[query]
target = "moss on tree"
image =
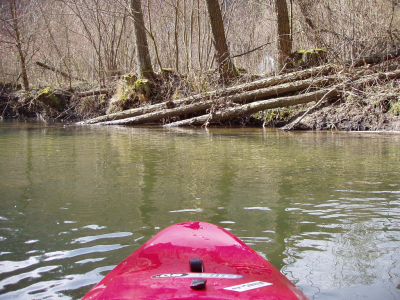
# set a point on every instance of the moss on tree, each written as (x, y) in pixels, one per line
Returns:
(306, 58)
(143, 89)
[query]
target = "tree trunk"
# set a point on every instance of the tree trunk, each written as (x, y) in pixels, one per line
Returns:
(18, 40)
(142, 48)
(284, 34)
(227, 69)
(176, 36)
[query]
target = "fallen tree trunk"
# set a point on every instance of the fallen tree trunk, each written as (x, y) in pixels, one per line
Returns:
(129, 113)
(262, 83)
(65, 75)
(370, 79)
(238, 98)
(255, 107)
(372, 59)
(272, 81)
(162, 114)
(93, 93)
(283, 101)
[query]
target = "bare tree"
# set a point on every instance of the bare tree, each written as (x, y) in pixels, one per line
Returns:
(142, 48)
(284, 34)
(18, 41)
(103, 24)
(226, 67)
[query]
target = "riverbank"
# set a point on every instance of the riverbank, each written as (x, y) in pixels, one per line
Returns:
(371, 107)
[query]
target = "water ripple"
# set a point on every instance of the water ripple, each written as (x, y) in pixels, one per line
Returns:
(257, 208)
(87, 239)
(50, 289)
(7, 266)
(95, 227)
(81, 251)
(187, 210)
(27, 275)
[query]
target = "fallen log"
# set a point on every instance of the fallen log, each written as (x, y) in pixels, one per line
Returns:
(255, 107)
(370, 79)
(262, 83)
(65, 75)
(238, 98)
(272, 81)
(284, 101)
(125, 114)
(162, 114)
(372, 59)
(93, 93)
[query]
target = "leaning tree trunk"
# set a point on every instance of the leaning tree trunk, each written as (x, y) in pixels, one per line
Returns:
(226, 67)
(142, 48)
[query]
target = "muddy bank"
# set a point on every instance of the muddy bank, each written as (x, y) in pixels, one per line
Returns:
(375, 108)
(348, 116)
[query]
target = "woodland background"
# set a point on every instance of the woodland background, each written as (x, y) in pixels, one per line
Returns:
(93, 40)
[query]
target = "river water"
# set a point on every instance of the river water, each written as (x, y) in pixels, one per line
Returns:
(322, 207)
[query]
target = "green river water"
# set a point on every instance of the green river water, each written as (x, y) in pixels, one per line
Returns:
(322, 207)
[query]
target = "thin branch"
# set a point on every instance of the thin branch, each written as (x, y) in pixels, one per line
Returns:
(255, 49)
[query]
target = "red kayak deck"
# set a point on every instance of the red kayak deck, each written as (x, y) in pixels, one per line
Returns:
(195, 260)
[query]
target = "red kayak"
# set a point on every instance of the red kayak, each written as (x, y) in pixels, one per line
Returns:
(195, 260)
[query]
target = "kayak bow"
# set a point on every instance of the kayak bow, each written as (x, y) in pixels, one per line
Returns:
(195, 260)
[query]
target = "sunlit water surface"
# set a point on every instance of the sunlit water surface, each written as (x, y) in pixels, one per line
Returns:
(323, 207)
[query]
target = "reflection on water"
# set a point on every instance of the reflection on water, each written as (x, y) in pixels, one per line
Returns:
(74, 201)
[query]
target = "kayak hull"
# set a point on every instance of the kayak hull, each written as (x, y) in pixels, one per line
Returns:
(161, 269)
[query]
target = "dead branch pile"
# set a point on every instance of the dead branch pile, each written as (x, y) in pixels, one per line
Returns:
(294, 88)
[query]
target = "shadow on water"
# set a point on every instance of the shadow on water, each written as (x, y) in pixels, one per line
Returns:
(223, 187)
(147, 207)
